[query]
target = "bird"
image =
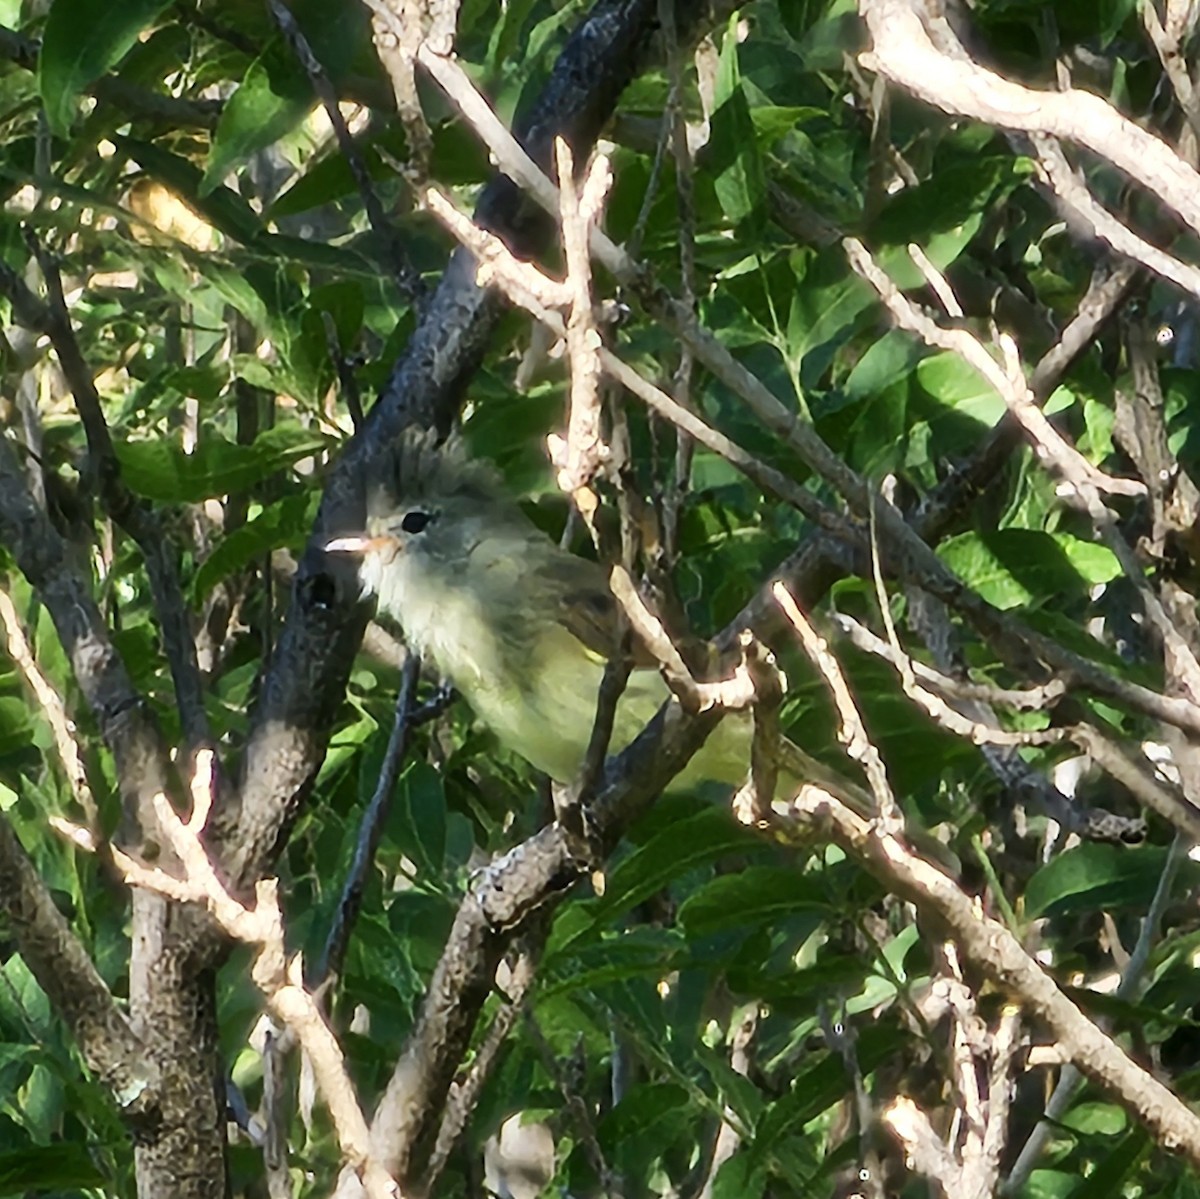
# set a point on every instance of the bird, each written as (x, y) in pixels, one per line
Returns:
(521, 627)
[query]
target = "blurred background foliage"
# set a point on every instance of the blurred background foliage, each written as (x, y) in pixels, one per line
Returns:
(218, 262)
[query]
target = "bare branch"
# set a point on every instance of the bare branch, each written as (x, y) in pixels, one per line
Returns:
(1074, 192)
(937, 281)
(277, 978)
(1033, 699)
(125, 724)
(903, 51)
(994, 950)
(852, 733)
(61, 726)
(584, 452)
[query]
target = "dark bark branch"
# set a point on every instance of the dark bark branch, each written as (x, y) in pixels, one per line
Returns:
(65, 971)
(172, 1005)
(526, 880)
(124, 720)
(306, 677)
(171, 998)
(132, 514)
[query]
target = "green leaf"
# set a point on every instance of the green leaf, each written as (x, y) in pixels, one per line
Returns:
(160, 470)
(736, 1089)
(41, 1101)
(950, 381)
(772, 122)
(82, 40)
(740, 1178)
(756, 895)
(1015, 567)
(738, 176)
(669, 853)
(635, 953)
(1112, 1170)
(48, 1168)
(506, 33)
(953, 195)
(418, 819)
(284, 523)
(1097, 1119)
(826, 303)
(816, 1089)
(16, 726)
(275, 93)
(891, 358)
(270, 101)
(1095, 875)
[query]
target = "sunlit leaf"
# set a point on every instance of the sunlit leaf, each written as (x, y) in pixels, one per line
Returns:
(82, 40)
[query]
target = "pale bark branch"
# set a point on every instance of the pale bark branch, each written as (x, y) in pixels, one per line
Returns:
(994, 950)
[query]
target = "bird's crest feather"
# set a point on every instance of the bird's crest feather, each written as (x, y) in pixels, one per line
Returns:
(418, 469)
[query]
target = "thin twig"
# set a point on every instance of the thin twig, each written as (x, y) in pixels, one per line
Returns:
(840, 1037)
(686, 229)
(577, 1109)
(852, 733)
(976, 731)
(347, 383)
(743, 1027)
(1170, 52)
(937, 281)
(1029, 699)
(407, 277)
(61, 725)
(329, 963)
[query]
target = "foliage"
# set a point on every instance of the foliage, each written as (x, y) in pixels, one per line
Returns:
(217, 256)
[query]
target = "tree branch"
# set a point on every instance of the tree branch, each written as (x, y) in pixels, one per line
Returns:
(995, 951)
(903, 51)
(77, 993)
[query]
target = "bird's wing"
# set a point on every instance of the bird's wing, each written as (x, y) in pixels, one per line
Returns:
(585, 606)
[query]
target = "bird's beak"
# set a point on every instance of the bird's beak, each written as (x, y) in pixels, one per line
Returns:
(357, 544)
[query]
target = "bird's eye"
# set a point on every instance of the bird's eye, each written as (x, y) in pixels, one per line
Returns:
(415, 522)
